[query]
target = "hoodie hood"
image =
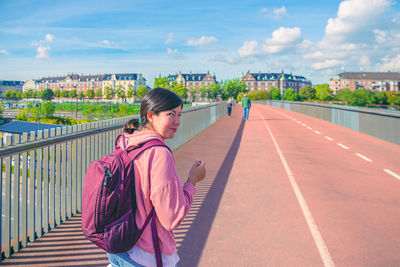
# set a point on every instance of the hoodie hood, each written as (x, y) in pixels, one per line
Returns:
(138, 137)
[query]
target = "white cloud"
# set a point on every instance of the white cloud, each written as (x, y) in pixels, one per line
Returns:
(281, 11)
(329, 63)
(106, 43)
(355, 16)
(248, 49)
(390, 64)
(170, 38)
(43, 52)
(381, 36)
(281, 39)
(202, 41)
(172, 51)
(4, 52)
(222, 58)
(49, 38)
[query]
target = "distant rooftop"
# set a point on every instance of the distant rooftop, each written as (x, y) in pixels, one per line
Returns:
(370, 75)
(20, 127)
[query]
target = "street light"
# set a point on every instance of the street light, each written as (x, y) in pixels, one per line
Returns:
(76, 101)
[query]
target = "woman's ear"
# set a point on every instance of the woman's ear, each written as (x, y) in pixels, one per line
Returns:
(150, 116)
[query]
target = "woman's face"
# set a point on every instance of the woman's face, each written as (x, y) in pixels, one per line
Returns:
(166, 122)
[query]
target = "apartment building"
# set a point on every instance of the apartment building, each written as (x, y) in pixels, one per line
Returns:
(192, 80)
(82, 83)
(263, 81)
(374, 81)
(10, 85)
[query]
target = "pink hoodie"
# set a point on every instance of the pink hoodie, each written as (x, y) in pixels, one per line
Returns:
(170, 200)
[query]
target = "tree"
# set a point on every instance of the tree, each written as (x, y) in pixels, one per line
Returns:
(275, 93)
(215, 90)
(192, 92)
(47, 94)
(307, 93)
(120, 91)
(203, 91)
(72, 94)
(9, 94)
(142, 91)
(131, 91)
(180, 90)
(381, 98)
(362, 97)
(109, 92)
(27, 94)
(99, 93)
(323, 92)
(47, 109)
(81, 95)
(57, 92)
(161, 82)
(290, 95)
(233, 87)
(393, 98)
(64, 93)
(344, 95)
(262, 95)
(89, 93)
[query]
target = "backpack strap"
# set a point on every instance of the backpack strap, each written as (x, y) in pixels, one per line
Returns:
(152, 215)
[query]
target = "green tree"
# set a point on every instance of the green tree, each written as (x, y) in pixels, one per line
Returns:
(203, 91)
(99, 93)
(362, 97)
(180, 90)
(47, 94)
(57, 92)
(9, 94)
(81, 95)
(27, 94)
(89, 93)
(72, 94)
(109, 92)
(47, 110)
(290, 95)
(240, 97)
(262, 95)
(381, 98)
(275, 93)
(192, 92)
(323, 92)
(393, 98)
(215, 90)
(344, 95)
(232, 88)
(120, 91)
(131, 91)
(307, 93)
(142, 91)
(64, 93)
(161, 82)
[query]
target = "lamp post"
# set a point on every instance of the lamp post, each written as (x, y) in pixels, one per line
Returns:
(76, 101)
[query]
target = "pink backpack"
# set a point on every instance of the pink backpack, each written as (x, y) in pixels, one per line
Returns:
(109, 201)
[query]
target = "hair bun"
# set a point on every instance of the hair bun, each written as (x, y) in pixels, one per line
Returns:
(131, 126)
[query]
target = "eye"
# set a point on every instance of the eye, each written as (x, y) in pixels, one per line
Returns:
(180, 115)
(171, 114)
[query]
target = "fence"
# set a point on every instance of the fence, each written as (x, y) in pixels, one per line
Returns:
(42, 173)
(379, 123)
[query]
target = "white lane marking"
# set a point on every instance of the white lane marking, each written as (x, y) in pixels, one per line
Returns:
(327, 137)
(309, 128)
(299, 122)
(363, 157)
(304, 124)
(319, 242)
(343, 146)
(395, 175)
(317, 132)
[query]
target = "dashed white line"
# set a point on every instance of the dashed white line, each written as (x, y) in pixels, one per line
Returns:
(317, 132)
(395, 175)
(304, 124)
(319, 242)
(309, 128)
(327, 137)
(363, 157)
(343, 146)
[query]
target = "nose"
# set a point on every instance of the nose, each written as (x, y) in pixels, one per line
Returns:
(177, 120)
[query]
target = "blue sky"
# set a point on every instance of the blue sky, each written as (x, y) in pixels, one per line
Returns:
(316, 39)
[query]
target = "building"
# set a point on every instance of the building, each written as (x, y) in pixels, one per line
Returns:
(82, 83)
(31, 85)
(264, 81)
(374, 81)
(10, 85)
(192, 80)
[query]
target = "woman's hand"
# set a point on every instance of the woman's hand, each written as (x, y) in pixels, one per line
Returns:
(197, 172)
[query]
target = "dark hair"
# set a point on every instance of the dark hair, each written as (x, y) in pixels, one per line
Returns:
(156, 100)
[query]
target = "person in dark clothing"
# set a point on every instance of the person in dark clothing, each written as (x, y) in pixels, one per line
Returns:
(229, 106)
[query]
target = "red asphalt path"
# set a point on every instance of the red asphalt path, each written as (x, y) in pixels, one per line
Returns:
(353, 204)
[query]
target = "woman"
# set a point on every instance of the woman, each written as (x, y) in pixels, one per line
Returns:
(156, 180)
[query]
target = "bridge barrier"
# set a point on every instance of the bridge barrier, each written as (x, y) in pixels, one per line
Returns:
(379, 123)
(43, 171)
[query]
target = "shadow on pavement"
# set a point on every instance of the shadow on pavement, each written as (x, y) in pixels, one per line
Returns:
(195, 228)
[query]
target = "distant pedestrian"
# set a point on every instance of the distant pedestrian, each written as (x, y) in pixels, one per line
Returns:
(246, 105)
(229, 106)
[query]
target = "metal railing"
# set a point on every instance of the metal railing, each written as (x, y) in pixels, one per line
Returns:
(43, 171)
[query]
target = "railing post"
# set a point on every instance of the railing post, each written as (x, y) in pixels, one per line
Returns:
(52, 169)
(15, 198)
(7, 204)
(31, 191)
(39, 185)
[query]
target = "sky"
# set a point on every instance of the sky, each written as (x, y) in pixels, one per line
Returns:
(314, 39)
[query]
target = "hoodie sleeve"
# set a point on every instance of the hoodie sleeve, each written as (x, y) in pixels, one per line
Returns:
(171, 201)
